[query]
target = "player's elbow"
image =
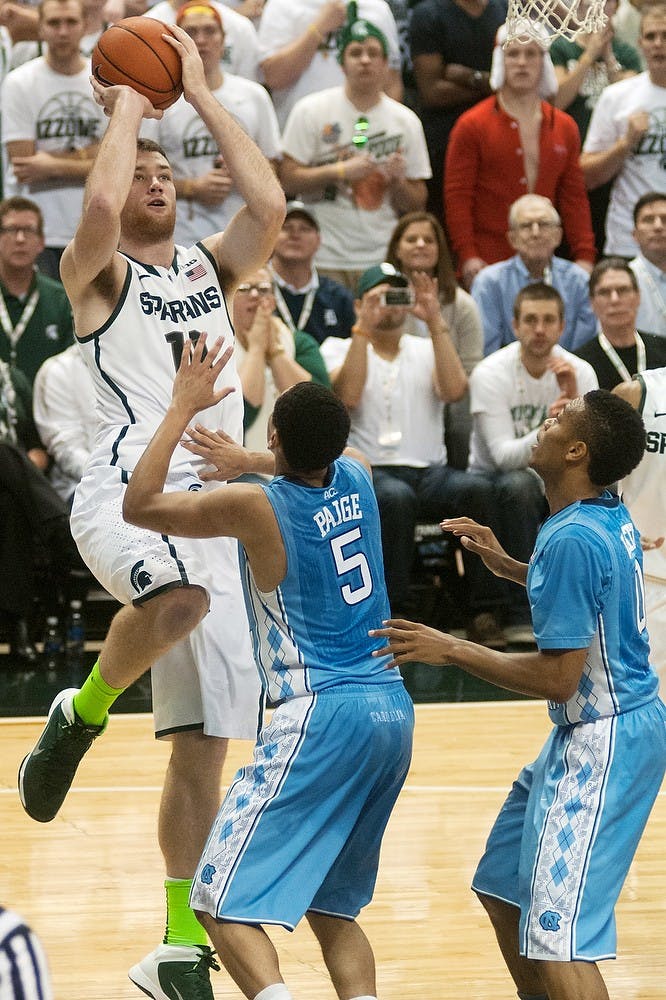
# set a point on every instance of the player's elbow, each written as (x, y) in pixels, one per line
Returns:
(563, 670)
(101, 211)
(133, 512)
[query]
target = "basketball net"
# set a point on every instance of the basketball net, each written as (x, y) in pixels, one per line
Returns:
(526, 19)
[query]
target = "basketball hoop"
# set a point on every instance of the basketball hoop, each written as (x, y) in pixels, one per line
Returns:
(529, 20)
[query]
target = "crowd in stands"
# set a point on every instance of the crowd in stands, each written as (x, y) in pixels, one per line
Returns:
(475, 234)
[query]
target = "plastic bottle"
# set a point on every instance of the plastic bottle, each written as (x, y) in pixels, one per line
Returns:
(75, 636)
(52, 649)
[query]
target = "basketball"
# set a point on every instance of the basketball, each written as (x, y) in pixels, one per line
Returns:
(132, 52)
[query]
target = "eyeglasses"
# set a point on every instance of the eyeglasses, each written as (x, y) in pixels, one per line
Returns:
(360, 136)
(527, 227)
(622, 291)
(15, 230)
(261, 288)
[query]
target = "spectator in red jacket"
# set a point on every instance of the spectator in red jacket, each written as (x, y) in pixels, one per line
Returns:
(508, 145)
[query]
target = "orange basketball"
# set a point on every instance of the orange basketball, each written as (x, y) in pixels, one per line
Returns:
(132, 52)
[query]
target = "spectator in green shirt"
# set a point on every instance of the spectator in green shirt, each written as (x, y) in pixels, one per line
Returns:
(35, 314)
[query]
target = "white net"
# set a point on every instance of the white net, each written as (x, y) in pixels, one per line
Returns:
(530, 20)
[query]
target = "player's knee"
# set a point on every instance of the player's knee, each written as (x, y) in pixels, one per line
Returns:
(180, 611)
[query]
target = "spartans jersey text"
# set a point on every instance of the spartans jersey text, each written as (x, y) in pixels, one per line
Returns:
(178, 310)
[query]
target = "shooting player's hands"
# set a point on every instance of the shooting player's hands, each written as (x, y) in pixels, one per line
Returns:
(107, 98)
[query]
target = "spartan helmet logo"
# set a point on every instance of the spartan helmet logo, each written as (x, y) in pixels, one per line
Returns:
(140, 578)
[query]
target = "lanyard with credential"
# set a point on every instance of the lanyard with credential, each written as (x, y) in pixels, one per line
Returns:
(617, 362)
(14, 333)
(283, 308)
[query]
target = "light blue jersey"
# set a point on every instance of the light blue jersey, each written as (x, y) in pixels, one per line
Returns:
(311, 632)
(577, 586)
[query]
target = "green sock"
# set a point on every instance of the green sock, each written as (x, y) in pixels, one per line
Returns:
(182, 926)
(95, 698)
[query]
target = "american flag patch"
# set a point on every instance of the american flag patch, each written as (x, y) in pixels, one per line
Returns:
(195, 272)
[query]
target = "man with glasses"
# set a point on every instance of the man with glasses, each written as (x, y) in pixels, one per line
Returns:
(535, 230)
(619, 351)
(270, 356)
(357, 156)
(35, 314)
(649, 265)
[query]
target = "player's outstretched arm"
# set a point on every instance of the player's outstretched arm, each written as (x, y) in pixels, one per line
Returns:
(227, 458)
(550, 674)
(248, 240)
(107, 187)
(145, 504)
(479, 539)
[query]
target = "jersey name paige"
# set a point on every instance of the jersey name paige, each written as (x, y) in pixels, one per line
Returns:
(340, 510)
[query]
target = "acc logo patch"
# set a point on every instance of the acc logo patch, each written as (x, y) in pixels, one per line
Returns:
(140, 578)
(550, 920)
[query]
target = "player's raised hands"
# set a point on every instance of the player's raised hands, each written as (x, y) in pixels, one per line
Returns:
(108, 97)
(194, 386)
(480, 539)
(194, 77)
(227, 458)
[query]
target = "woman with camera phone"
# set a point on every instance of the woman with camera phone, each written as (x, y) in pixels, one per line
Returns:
(418, 243)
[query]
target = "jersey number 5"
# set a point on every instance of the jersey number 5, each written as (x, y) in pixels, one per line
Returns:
(349, 563)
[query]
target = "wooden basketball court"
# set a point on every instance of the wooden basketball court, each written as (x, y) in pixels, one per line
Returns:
(90, 882)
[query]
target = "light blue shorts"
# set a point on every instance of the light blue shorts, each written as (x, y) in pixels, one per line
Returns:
(301, 826)
(565, 837)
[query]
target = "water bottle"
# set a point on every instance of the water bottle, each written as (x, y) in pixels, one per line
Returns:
(52, 649)
(75, 633)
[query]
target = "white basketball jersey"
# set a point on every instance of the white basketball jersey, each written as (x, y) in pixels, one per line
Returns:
(644, 491)
(133, 357)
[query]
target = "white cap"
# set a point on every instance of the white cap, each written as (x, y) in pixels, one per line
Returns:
(536, 32)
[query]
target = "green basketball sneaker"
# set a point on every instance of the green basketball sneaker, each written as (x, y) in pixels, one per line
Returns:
(46, 774)
(176, 972)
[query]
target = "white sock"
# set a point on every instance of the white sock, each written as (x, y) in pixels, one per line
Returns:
(276, 992)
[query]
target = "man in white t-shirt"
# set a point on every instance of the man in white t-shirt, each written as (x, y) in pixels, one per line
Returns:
(358, 157)
(51, 127)
(512, 392)
(649, 265)
(395, 386)
(241, 45)
(626, 139)
(207, 198)
(298, 41)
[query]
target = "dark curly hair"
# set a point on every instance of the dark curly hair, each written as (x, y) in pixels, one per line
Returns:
(614, 433)
(313, 425)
